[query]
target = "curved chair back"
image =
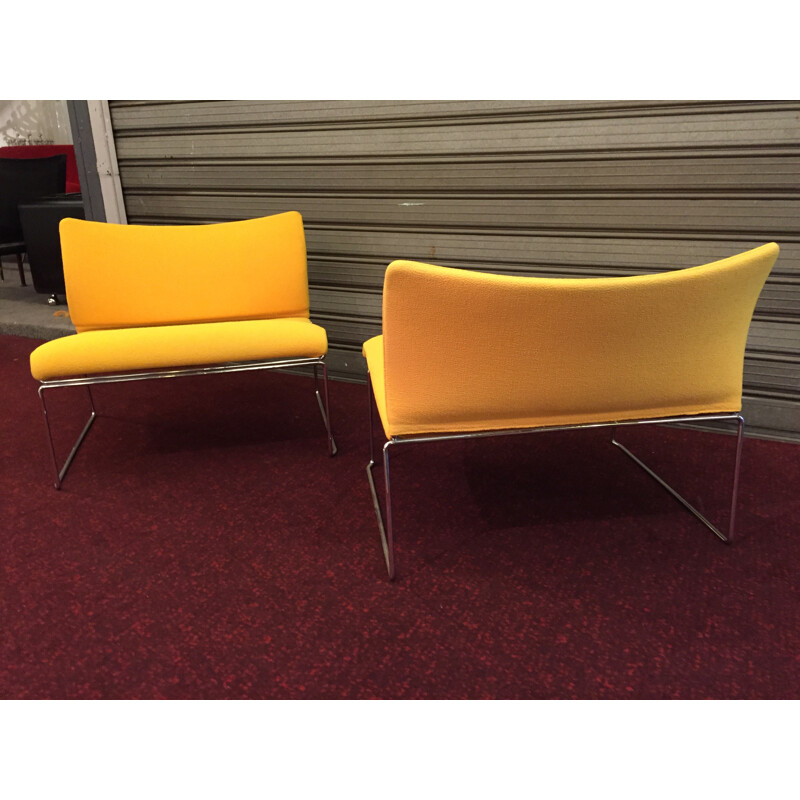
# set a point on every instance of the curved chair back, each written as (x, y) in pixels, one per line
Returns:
(73, 183)
(467, 351)
(139, 276)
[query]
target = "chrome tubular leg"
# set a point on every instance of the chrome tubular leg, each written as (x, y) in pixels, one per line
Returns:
(385, 530)
(57, 482)
(324, 409)
(686, 503)
(734, 494)
(388, 540)
(59, 474)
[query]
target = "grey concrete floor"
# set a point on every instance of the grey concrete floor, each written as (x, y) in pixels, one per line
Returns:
(25, 312)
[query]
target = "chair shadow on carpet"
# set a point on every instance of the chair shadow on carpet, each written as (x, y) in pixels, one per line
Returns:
(242, 426)
(480, 494)
(569, 477)
(231, 411)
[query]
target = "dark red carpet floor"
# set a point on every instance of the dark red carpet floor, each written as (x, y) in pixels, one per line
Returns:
(205, 546)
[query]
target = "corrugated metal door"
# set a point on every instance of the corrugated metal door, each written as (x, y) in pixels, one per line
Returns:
(521, 188)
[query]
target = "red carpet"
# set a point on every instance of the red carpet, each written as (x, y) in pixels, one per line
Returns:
(205, 546)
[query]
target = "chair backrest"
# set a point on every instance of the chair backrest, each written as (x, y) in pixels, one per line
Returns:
(26, 179)
(73, 183)
(121, 276)
(473, 351)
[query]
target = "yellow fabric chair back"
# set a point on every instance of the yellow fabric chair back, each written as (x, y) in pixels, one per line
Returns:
(137, 276)
(466, 351)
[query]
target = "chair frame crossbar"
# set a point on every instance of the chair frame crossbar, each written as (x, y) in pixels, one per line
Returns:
(385, 525)
(243, 366)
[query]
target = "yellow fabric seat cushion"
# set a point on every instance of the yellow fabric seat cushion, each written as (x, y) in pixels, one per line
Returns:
(165, 346)
(373, 352)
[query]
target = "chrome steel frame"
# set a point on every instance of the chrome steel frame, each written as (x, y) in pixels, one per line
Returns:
(90, 380)
(386, 528)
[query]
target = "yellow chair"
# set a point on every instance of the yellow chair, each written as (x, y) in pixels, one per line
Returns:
(165, 301)
(466, 354)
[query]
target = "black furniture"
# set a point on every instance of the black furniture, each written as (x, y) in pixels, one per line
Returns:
(22, 180)
(40, 220)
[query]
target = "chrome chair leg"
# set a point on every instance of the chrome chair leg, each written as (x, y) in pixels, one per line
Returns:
(735, 491)
(387, 541)
(60, 473)
(385, 530)
(731, 524)
(324, 409)
(388, 538)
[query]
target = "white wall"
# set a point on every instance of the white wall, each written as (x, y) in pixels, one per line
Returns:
(34, 120)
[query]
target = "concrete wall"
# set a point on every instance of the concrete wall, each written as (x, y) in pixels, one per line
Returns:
(33, 121)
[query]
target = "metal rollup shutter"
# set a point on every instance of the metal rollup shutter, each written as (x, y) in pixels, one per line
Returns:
(520, 188)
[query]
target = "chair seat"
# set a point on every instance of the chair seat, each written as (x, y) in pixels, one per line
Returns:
(165, 346)
(373, 352)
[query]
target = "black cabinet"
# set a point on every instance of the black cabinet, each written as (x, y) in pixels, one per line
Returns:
(40, 219)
